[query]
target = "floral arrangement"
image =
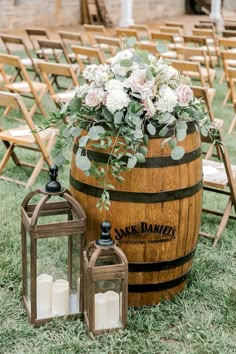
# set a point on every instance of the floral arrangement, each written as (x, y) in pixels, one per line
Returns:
(122, 103)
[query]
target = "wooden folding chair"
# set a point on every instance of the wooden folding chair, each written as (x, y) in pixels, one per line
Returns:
(25, 137)
(198, 55)
(212, 43)
(163, 40)
(149, 47)
(202, 42)
(12, 44)
(94, 30)
(35, 34)
(232, 84)
(228, 61)
(63, 71)
(143, 32)
(175, 24)
(93, 55)
(124, 33)
(219, 178)
(68, 39)
(27, 88)
(194, 71)
(203, 94)
(108, 46)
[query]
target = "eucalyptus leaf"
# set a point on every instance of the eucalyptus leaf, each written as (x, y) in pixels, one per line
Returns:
(181, 125)
(204, 131)
(118, 117)
(75, 131)
(163, 131)
(140, 157)
(126, 63)
(145, 139)
(151, 129)
(82, 162)
(75, 104)
(142, 150)
(95, 132)
(66, 132)
(83, 140)
(131, 162)
(149, 74)
(177, 153)
(131, 41)
(181, 134)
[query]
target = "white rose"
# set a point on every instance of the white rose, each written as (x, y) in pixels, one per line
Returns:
(94, 97)
(124, 54)
(117, 100)
(167, 99)
(139, 83)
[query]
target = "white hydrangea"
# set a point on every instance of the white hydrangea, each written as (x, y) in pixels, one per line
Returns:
(117, 100)
(165, 73)
(102, 75)
(114, 85)
(167, 99)
(89, 72)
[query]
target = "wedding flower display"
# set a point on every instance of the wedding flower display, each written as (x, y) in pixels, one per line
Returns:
(124, 102)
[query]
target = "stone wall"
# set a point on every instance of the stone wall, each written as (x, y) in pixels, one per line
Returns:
(17, 14)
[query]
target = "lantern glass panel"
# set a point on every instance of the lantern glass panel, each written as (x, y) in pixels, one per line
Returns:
(57, 277)
(107, 258)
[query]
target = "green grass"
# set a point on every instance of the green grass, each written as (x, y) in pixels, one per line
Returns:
(201, 320)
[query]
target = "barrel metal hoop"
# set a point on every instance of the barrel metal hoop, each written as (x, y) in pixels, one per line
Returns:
(136, 197)
(165, 265)
(151, 162)
(145, 288)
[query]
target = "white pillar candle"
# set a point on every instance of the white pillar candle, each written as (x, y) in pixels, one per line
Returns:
(113, 308)
(60, 298)
(101, 320)
(44, 295)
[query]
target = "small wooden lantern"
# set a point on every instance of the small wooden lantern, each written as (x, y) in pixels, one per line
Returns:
(105, 284)
(52, 245)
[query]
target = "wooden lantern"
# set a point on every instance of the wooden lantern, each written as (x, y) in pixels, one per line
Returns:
(105, 284)
(52, 245)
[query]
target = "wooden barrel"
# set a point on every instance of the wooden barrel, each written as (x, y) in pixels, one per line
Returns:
(155, 216)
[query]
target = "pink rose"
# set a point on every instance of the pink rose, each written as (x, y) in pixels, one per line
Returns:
(139, 83)
(184, 94)
(94, 97)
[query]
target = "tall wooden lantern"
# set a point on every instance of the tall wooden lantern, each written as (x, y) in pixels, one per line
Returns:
(52, 228)
(105, 284)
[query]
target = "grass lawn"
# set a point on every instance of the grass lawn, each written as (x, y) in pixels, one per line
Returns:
(201, 320)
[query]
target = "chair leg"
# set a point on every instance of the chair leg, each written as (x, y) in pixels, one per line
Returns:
(226, 98)
(6, 156)
(13, 155)
(38, 104)
(222, 78)
(223, 222)
(233, 123)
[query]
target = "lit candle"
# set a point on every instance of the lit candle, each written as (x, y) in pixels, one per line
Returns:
(60, 298)
(44, 295)
(101, 320)
(113, 308)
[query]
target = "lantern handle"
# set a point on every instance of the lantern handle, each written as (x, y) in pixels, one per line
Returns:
(38, 208)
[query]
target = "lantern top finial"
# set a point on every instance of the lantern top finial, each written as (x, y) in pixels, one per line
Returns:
(105, 237)
(53, 186)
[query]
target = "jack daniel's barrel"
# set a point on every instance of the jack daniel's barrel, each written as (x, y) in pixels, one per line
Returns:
(155, 216)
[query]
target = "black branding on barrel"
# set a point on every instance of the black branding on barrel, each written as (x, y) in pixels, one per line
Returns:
(162, 233)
